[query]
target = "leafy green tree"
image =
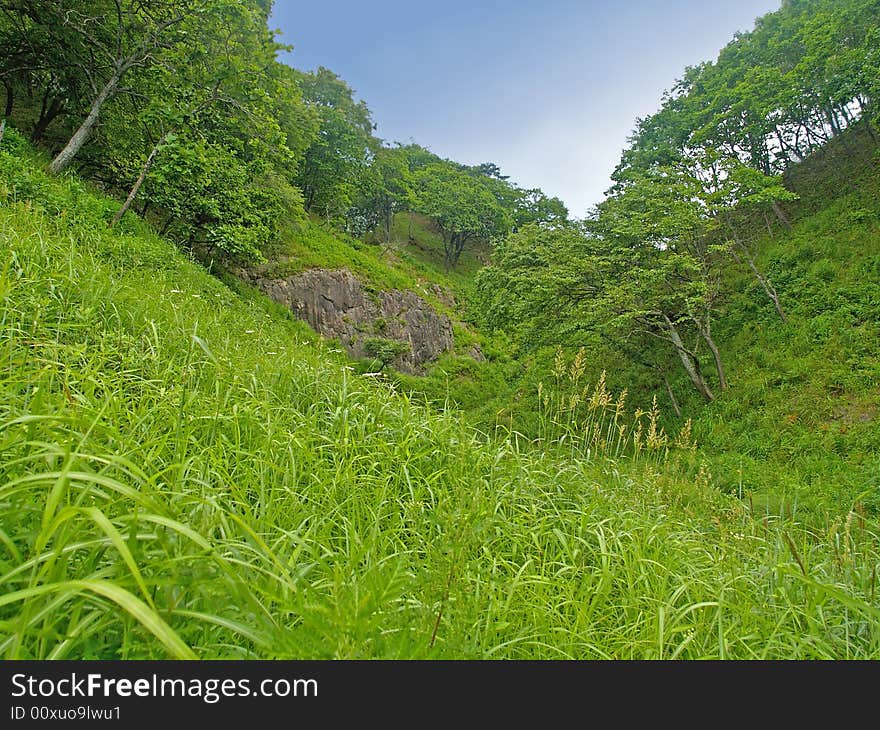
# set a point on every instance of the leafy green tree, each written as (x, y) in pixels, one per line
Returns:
(213, 204)
(521, 206)
(37, 67)
(218, 86)
(104, 41)
(660, 224)
(461, 206)
(339, 157)
(384, 191)
(742, 191)
(534, 206)
(553, 285)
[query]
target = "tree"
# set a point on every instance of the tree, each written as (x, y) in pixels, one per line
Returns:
(218, 86)
(384, 191)
(742, 191)
(214, 205)
(460, 205)
(34, 66)
(104, 41)
(336, 161)
(659, 223)
(534, 206)
(563, 285)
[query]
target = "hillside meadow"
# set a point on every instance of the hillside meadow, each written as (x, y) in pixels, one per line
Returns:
(185, 472)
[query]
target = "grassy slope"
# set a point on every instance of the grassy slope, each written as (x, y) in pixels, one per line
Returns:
(802, 418)
(184, 470)
(412, 260)
(800, 424)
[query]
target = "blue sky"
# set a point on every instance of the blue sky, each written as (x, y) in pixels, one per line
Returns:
(548, 90)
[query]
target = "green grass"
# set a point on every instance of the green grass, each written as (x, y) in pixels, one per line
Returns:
(310, 244)
(802, 419)
(185, 471)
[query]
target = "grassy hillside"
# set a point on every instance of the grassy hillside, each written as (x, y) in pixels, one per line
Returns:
(802, 418)
(185, 471)
(800, 424)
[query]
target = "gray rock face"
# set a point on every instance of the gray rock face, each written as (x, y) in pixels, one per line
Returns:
(337, 305)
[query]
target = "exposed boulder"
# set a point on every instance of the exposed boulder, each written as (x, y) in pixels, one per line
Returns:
(337, 305)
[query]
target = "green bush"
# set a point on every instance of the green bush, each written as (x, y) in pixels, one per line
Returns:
(384, 350)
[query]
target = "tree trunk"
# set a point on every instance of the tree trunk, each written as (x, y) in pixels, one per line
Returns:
(10, 100)
(671, 394)
(781, 215)
(387, 222)
(690, 363)
(768, 287)
(706, 334)
(765, 283)
(166, 225)
(459, 247)
(47, 116)
(865, 116)
(449, 248)
(65, 157)
(140, 181)
(8, 111)
(832, 121)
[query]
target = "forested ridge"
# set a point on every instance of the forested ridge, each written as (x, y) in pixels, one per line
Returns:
(656, 435)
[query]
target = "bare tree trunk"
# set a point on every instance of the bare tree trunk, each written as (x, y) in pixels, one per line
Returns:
(73, 146)
(671, 394)
(781, 215)
(769, 289)
(765, 283)
(690, 363)
(2, 130)
(140, 181)
(706, 334)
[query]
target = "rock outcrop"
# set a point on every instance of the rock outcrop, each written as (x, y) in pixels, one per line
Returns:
(398, 326)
